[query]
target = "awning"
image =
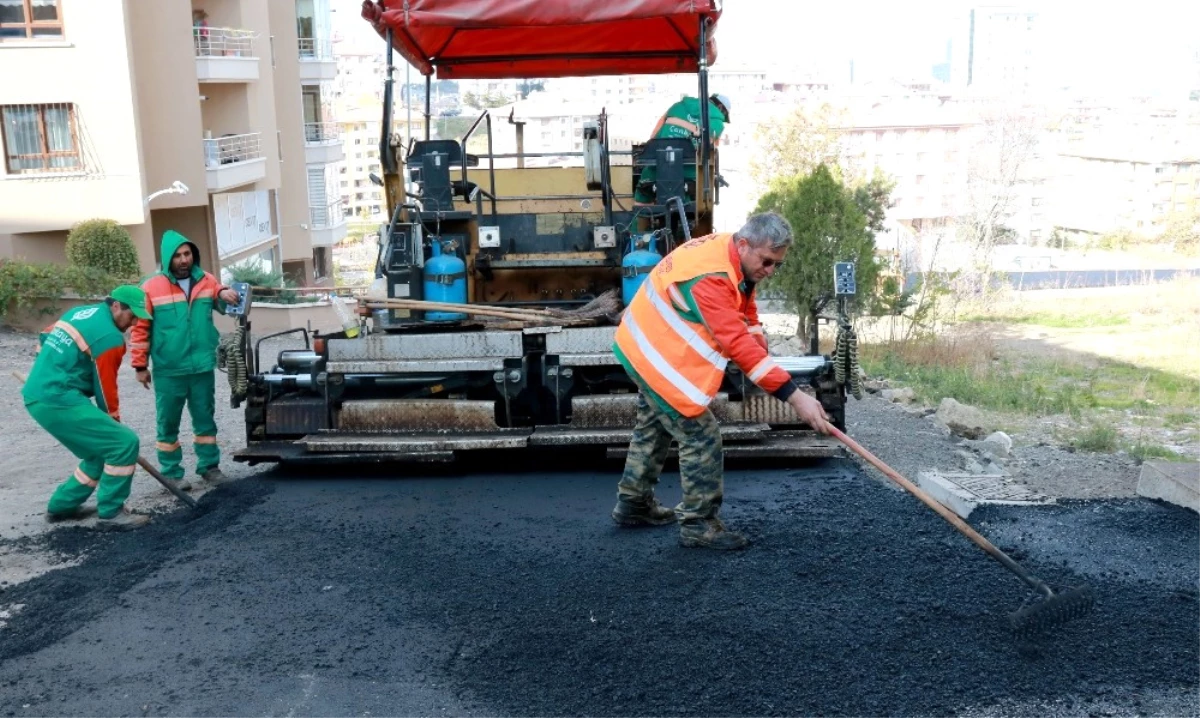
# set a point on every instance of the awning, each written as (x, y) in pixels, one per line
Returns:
(470, 39)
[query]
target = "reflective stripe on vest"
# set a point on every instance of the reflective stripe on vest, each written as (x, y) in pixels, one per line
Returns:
(683, 364)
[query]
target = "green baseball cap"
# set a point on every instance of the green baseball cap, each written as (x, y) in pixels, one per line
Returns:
(134, 297)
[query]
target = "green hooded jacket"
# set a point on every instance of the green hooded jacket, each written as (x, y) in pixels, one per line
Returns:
(182, 339)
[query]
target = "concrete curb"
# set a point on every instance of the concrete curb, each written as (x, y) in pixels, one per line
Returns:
(962, 493)
(1174, 482)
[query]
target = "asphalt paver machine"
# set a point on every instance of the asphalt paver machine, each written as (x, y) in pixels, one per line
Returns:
(511, 230)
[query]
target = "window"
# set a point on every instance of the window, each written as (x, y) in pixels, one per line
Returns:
(24, 19)
(40, 138)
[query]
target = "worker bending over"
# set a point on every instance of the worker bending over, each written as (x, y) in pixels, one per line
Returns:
(682, 121)
(693, 315)
(77, 362)
(181, 343)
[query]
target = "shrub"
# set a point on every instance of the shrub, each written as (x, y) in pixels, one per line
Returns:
(104, 245)
(23, 283)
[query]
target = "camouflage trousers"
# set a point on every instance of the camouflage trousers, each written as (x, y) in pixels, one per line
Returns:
(701, 459)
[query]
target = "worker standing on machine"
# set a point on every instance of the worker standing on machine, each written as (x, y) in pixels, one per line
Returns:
(696, 312)
(682, 120)
(71, 392)
(181, 343)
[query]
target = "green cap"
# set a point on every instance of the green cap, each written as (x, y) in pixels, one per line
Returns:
(134, 297)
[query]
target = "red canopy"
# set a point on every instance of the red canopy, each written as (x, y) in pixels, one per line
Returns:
(466, 39)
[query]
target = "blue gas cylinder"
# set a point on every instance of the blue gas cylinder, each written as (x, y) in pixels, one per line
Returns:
(635, 266)
(445, 281)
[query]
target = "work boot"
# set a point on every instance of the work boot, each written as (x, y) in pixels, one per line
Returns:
(214, 476)
(710, 533)
(123, 521)
(76, 514)
(642, 512)
(181, 484)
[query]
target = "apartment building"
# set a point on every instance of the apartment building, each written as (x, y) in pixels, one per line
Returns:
(106, 104)
(1108, 187)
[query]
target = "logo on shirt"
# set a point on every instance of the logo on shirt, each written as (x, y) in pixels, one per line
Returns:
(84, 313)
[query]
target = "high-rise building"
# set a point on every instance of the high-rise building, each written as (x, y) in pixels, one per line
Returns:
(105, 104)
(1002, 49)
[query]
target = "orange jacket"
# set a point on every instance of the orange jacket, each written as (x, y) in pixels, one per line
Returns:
(693, 315)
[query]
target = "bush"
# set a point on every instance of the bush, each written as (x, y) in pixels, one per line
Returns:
(105, 245)
(23, 283)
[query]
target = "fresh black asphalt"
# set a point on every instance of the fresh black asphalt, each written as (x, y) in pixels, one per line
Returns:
(511, 593)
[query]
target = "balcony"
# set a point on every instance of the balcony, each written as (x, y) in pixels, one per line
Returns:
(316, 60)
(322, 143)
(328, 224)
(234, 160)
(225, 54)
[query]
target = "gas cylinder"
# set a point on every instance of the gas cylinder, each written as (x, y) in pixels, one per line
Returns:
(445, 281)
(636, 265)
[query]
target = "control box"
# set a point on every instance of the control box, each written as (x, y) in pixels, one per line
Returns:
(843, 279)
(242, 308)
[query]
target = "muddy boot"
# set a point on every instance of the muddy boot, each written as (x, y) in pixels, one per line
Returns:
(181, 484)
(644, 512)
(710, 533)
(123, 521)
(214, 476)
(76, 514)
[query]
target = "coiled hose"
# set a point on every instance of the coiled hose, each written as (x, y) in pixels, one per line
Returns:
(845, 361)
(231, 359)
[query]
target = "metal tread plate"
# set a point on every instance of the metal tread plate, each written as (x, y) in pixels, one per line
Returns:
(774, 445)
(572, 436)
(415, 442)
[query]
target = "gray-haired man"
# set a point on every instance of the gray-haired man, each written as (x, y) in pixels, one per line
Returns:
(695, 314)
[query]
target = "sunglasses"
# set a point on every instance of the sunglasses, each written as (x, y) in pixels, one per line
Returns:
(767, 262)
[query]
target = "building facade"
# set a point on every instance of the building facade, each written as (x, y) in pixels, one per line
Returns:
(106, 104)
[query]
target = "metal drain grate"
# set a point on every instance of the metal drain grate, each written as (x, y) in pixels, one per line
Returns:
(961, 493)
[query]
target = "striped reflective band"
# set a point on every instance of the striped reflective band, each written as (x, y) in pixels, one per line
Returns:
(119, 470)
(85, 479)
(168, 447)
(75, 336)
(761, 369)
(689, 335)
(205, 439)
(661, 365)
(756, 329)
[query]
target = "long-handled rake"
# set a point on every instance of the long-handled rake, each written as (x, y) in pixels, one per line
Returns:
(1048, 610)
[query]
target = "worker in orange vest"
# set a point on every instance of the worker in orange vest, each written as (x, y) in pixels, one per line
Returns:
(695, 313)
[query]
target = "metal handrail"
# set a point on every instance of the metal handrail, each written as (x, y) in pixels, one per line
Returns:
(224, 42)
(231, 149)
(321, 132)
(312, 48)
(331, 215)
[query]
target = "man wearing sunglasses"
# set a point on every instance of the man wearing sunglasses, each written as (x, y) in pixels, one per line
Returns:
(693, 315)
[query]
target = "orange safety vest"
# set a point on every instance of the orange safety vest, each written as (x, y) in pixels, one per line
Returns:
(678, 359)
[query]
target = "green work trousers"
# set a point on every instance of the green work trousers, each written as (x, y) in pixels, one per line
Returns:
(199, 393)
(107, 449)
(701, 459)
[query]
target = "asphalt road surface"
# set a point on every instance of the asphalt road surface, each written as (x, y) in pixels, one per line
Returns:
(512, 593)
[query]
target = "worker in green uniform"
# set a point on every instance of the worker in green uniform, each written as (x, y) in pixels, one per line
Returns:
(181, 343)
(682, 120)
(77, 362)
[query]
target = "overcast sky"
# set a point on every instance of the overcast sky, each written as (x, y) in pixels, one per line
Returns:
(1124, 47)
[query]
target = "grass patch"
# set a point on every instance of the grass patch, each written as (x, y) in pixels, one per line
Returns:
(1180, 420)
(1142, 452)
(969, 368)
(1097, 437)
(1053, 319)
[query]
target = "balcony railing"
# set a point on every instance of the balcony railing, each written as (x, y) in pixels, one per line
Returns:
(232, 148)
(312, 48)
(223, 42)
(321, 132)
(330, 215)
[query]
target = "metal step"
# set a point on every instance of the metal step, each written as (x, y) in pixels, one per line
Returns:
(570, 436)
(414, 443)
(774, 445)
